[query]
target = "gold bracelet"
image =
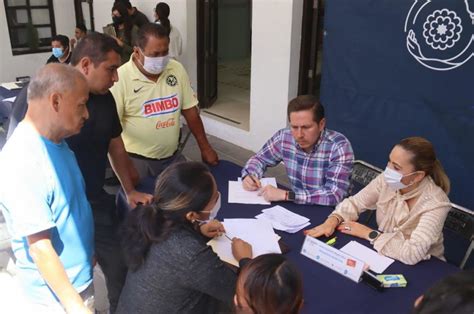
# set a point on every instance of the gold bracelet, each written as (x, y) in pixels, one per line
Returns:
(338, 218)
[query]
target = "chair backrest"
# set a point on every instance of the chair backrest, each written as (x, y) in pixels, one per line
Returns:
(362, 174)
(458, 236)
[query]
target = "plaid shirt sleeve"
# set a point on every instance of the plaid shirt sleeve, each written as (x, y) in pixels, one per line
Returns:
(336, 181)
(269, 155)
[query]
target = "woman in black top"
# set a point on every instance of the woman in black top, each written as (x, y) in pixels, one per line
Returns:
(171, 269)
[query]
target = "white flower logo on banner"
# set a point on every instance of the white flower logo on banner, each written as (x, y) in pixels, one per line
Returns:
(447, 29)
(442, 29)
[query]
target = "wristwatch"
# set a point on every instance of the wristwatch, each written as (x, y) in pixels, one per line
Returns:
(291, 196)
(373, 235)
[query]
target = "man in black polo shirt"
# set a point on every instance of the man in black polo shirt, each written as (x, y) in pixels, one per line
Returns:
(97, 56)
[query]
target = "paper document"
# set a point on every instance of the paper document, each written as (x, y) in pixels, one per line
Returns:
(377, 262)
(283, 219)
(258, 233)
(11, 85)
(237, 193)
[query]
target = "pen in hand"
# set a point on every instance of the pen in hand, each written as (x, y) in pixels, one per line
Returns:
(257, 183)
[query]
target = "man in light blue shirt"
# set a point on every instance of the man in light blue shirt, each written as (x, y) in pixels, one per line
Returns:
(42, 195)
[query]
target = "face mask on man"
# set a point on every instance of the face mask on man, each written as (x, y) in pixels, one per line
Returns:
(155, 65)
(58, 52)
(394, 179)
(117, 20)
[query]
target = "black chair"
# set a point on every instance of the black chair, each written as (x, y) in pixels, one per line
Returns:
(458, 237)
(362, 174)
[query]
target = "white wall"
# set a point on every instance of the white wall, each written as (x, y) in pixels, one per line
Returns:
(22, 65)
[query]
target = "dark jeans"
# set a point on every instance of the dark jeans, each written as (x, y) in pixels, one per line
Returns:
(107, 246)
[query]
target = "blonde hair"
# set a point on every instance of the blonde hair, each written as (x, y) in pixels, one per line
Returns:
(424, 159)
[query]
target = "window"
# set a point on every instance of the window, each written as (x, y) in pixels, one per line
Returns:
(30, 24)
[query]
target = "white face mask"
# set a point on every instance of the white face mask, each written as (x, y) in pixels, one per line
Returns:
(155, 65)
(216, 207)
(213, 212)
(394, 179)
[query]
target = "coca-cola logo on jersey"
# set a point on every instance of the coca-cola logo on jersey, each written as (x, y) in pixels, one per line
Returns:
(165, 124)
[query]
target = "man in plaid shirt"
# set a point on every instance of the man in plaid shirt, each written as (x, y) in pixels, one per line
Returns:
(318, 161)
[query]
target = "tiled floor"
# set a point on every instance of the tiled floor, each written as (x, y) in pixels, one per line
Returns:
(232, 105)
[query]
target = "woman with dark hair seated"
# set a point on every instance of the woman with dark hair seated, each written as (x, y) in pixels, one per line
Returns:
(269, 284)
(171, 269)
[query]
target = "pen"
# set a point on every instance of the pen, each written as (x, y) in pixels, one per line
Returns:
(332, 241)
(253, 179)
(227, 236)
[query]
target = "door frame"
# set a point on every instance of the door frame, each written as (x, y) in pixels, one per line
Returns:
(311, 34)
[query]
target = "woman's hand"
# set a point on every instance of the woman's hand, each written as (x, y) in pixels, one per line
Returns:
(355, 229)
(325, 229)
(212, 229)
(241, 249)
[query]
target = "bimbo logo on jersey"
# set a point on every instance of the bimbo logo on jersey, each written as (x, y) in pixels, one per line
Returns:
(159, 106)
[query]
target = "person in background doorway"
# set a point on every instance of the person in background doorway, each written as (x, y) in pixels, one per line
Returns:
(269, 284)
(162, 13)
(79, 33)
(411, 203)
(318, 161)
(60, 49)
(138, 18)
(125, 30)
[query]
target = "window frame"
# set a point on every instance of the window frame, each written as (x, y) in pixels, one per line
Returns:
(25, 49)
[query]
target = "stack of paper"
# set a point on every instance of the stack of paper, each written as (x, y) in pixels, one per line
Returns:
(283, 219)
(258, 233)
(237, 193)
(10, 85)
(377, 262)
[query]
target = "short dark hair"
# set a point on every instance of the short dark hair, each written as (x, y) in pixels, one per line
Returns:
(63, 39)
(453, 294)
(127, 3)
(96, 46)
(271, 284)
(148, 30)
(82, 27)
(307, 102)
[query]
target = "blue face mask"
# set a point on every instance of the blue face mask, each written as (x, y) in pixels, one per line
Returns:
(58, 52)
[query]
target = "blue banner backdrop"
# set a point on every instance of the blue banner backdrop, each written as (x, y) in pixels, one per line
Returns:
(399, 68)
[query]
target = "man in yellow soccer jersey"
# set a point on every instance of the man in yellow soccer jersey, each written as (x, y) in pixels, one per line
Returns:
(151, 94)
